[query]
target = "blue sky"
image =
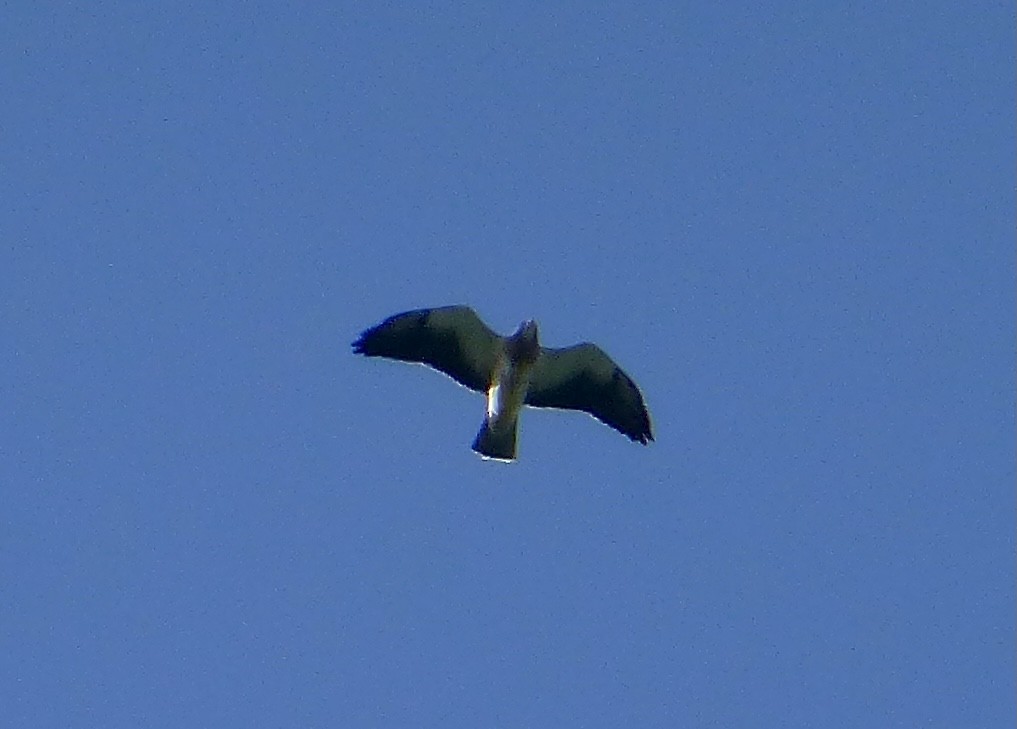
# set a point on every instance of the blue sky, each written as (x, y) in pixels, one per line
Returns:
(792, 224)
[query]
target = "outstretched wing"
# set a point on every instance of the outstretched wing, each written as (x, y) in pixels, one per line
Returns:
(452, 339)
(584, 378)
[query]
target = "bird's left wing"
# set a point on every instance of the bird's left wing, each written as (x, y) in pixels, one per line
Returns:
(584, 378)
(451, 339)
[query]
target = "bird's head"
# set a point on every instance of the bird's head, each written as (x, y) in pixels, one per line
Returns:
(524, 345)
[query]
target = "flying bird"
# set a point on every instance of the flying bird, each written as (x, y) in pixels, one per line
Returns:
(512, 371)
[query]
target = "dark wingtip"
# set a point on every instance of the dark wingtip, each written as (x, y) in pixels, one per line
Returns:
(643, 431)
(360, 345)
(645, 437)
(647, 433)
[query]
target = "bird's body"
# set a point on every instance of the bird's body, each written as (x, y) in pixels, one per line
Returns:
(506, 395)
(513, 371)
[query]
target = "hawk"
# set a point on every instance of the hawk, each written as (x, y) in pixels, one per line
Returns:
(512, 371)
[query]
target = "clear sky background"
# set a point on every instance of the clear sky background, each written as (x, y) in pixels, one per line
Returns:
(791, 223)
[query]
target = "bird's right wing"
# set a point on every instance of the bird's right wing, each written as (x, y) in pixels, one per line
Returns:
(584, 378)
(451, 339)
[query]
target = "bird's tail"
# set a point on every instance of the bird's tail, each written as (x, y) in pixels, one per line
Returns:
(497, 439)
